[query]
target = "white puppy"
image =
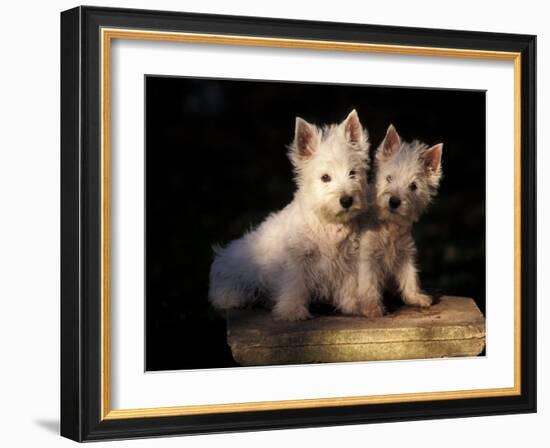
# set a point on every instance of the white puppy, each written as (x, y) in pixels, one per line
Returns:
(407, 178)
(309, 250)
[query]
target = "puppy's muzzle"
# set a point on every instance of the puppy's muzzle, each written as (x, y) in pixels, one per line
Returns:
(346, 201)
(394, 202)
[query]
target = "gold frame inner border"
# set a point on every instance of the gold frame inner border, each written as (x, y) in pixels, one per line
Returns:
(107, 35)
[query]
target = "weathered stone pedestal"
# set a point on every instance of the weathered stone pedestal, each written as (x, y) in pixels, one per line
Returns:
(452, 327)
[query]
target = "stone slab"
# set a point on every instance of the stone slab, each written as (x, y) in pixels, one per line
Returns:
(452, 327)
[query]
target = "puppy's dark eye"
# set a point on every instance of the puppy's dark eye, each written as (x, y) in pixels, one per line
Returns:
(325, 178)
(389, 179)
(413, 186)
(352, 174)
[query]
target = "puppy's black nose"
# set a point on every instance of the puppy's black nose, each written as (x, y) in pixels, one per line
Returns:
(346, 201)
(395, 202)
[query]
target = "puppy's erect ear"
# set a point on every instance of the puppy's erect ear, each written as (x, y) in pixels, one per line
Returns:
(305, 136)
(432, 158)
(355, 134)
(391, 142)
(432, 164)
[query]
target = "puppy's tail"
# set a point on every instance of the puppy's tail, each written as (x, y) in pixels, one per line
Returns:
(217, 249)
(228, 289)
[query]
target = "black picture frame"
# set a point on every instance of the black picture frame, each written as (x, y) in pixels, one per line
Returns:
(81, 364)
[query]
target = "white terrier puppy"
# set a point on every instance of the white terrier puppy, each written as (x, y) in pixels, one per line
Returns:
(407, 177)
(308, 250)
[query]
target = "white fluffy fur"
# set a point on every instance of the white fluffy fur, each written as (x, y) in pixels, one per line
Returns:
(308, 250)
(409, 173)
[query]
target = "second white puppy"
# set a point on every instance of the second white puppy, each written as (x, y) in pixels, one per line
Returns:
(407, 179)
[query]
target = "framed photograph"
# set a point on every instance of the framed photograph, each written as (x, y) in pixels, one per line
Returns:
(276, 224)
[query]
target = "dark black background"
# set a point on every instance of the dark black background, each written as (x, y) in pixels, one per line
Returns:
(216, 165)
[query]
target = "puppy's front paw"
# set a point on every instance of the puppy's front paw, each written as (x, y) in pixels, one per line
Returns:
(422, 300)
(371, 309)
(290, 314)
